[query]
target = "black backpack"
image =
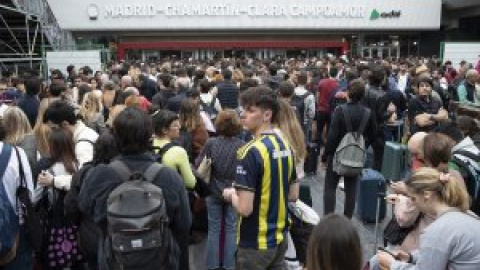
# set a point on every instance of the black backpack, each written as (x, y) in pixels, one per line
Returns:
(210, 108)
(299, 103)
(138, 232)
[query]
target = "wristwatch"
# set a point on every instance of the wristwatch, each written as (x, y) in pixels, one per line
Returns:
(410, 258)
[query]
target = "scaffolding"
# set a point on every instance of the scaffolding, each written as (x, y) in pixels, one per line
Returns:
(27, 27)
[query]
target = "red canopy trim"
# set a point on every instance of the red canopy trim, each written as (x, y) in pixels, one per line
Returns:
(225, 45)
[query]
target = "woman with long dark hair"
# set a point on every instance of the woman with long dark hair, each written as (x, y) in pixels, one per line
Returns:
(62, 159)
(334, 244)
(192, 123)
(60, 248)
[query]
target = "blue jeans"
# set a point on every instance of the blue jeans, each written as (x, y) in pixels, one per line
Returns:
(220, 212)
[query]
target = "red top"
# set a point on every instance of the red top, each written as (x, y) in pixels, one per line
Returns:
(325, 89)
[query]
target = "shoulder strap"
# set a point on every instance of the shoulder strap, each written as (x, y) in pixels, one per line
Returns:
(212, 103)
(165, 148)
(85, 140)
(23, 182)
(152, 171)
(4, 159)
(363, 124)
(346, 116)
(468, 154)
(120, 169)
(304, 96)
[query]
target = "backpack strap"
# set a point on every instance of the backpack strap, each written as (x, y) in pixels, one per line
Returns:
(348, 122)
(363, 124)
(304, 96)
(152, 171)
(468, 155)
(346, 116)
(121, 169)
(23, 182)
(5, 159)
(212, 103)
(164, 149)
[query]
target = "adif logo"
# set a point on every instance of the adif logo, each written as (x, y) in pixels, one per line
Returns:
(92, 11)
(392, 14)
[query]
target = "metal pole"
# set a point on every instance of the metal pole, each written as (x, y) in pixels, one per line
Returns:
(43, 66)
(27, 26)
(35, 38)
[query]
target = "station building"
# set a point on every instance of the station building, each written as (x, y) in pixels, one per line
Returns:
(152, 29)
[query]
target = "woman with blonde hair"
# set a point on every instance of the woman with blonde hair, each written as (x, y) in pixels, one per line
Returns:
(238, 77)
(289, 127)
(452, 241)
(19, 133)
(91, 112)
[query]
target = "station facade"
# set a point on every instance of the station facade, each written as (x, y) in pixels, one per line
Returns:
(151, 29)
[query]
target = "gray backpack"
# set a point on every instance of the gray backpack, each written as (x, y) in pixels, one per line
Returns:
(350, 155)
(138, 233)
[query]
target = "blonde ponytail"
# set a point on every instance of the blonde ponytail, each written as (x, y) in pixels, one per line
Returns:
(448, 188)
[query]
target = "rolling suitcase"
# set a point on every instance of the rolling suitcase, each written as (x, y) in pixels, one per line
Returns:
(395, 161)
(311, 161)
(371, 207)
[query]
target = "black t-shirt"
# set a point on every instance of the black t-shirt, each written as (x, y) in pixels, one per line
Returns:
(418, 106)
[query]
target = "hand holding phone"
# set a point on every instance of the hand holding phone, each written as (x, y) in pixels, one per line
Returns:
(387, 251)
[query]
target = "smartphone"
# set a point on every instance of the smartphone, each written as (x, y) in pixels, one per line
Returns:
(387, 251)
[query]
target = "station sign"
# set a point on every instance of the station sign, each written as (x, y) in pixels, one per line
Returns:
(247, 14)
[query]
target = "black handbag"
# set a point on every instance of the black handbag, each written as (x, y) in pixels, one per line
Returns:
(300, 232)
(61, 242)
(32, 221)
(394, 234)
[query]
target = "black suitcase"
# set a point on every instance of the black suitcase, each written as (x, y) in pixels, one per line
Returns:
(371, 191)
(311, 161)
(305, 194)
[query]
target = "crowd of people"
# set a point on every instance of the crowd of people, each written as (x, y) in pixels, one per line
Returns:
(88, 148)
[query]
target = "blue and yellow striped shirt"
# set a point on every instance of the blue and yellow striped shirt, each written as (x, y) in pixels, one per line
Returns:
(265, 167)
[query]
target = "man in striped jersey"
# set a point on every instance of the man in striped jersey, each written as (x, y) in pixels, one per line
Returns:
(264, 183)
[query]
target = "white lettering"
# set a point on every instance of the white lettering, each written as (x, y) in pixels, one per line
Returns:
(229, 10)
(127, 11)
(109, 11)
